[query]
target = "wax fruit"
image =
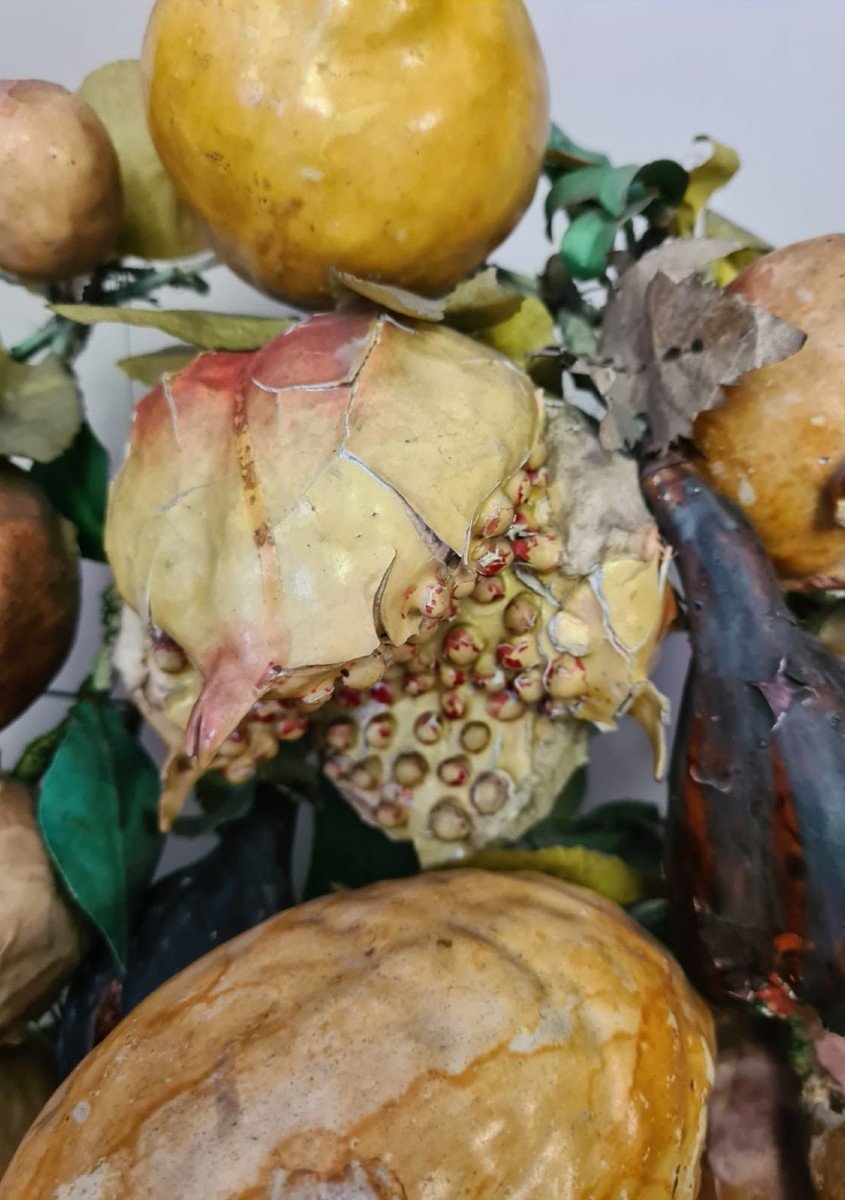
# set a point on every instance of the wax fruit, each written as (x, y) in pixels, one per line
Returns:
(42, 939)
(756, 823)
(777, 447)
(286, 126)
(360, 528)
(39, 591)
(155, 222)
(60, 197)
(493, 1033)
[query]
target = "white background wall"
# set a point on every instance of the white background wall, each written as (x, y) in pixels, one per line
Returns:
(635, 78)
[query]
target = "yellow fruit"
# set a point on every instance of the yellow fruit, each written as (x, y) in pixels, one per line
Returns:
(60, 197)
(399, 140)
(777, 447)
(463, 1034)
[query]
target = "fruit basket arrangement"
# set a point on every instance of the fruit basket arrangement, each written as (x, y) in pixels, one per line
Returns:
(385, 570)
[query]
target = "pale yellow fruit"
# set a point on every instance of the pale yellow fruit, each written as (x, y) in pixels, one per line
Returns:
(399, 140)
(156, 223)
(464, 1034)
(60, 197)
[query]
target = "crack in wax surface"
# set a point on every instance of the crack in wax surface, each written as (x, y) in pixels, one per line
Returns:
(456, 1034)
(364, 520)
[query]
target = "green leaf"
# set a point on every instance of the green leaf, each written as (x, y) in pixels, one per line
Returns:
(631, 829)
(156, 223)
(562, 152)
(40, 408)
(98, 816)
(614, 189)
(221, 803)
(77, 483)
(573, 188)
(587, 243)
(37, 756)
(665, 179)
(207, 330)
(347, 853)
(149, 368)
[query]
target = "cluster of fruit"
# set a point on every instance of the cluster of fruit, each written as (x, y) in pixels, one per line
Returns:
(377, 536)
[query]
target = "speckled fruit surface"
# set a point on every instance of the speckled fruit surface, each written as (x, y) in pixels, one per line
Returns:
(777, 447)
(454, 1034)
(398, 140)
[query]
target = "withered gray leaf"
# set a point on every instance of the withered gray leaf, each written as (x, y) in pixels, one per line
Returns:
(671, 342)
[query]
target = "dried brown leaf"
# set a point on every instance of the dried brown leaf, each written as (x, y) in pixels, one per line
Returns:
(671, 342)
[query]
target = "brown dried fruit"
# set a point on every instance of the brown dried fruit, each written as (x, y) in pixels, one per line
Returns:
(39, 591)
(60, 196)
(458, 1034)
(41, 940)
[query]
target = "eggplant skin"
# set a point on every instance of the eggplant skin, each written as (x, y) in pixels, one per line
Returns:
(756, 837)
(242, 882)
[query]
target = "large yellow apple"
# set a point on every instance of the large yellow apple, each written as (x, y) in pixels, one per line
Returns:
(400, 140)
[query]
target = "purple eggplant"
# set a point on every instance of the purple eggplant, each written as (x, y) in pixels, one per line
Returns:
(756, 832)
(243, 881)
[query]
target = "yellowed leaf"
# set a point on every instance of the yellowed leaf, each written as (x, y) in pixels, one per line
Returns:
(602, 873)
(521, 335)
(704, 180)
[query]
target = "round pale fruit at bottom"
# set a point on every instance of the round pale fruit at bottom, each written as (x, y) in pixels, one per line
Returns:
(456, 1034)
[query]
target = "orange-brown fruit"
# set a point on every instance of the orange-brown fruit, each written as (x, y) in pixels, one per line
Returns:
(457, 1034)
(60, 195)
(39, 591)
(777, 447)
(399, 141)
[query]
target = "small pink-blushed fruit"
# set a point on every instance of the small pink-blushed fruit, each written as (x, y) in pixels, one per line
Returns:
(60, 193)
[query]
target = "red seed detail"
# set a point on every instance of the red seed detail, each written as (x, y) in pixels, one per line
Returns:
(491, 558)
(383, 693)
(454, 772)
(347, 697)
(518, 487)
(451, 676)
(429, 728)
(505, 706)
(418, 685)
(291, 729)
(453, 705)
(518, 655)
(380, 731)
(540, 551)
(462, 645)
(488, 591)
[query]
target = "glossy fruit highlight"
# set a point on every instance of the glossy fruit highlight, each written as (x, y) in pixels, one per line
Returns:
(400, 141)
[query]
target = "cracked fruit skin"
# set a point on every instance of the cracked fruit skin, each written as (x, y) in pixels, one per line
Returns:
(400, 141)
(60, 194)
(777, 446)
(459, 1034)
(39, 591)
